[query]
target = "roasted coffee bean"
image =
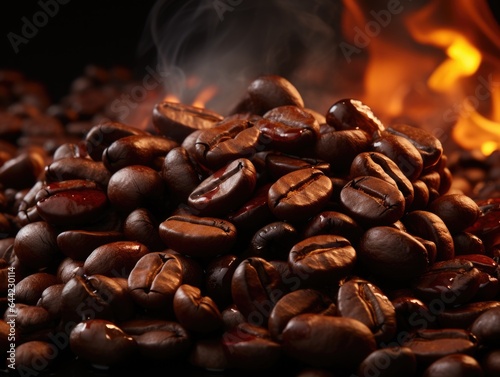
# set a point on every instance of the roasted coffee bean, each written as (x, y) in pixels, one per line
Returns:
(154, 280)
(136, 186)
(142, 226)
(77, 168)
(463, 316)
(176, 121)
(249, 348)
(421, 196)
(486, 328)
(429, 147)
(289, 129)
(146, 150)
(378, 165)
(35, 245)
(279, 165)
(299, 195)
(50, 299)
(115, 259)
(325, 341)
(295, 303)
(27, 211)
(333, 222)
(351, 114)
(256, 286)
(376, 251)
(30, 289)
(195, 312)
(101, 343)
(482, 262)
(400, 150)
(198, 236)
(209, 354)
(323, 259)
(489, 287)
(268, 92)
(361, 300)
(429, 226)
(103, 134)
(32, 322)
(454, 365)
(467, 243)
(273, 241)
(225, 190)
(372, 201)
(491, 363)
(218, 275)
(23, 170)
(453, 282)
(68, 268)
(232, 317)
(339, 148)
(68, 150)
(457, 211)
(78, 244)
(73, 204)
(412, 313)
(389, 362)
(158, 339)
(35, 355)
(180, 174)
(432, 180)
(429, 345)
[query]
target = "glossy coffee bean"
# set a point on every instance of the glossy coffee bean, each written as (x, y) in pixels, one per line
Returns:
(325, 341)
(323, 259)
(333, 222)
(453, 282)
(361, 300)
(429, 345)
(30, 289)
(467, 243)
(256, 286)
(77, 168)
(78, 244)
(273, 241)
(32, 322)
(279, 165)
(180, 174)
(299, 195)
(50, 300)
(101, 343)
(23, 170)
(486, 328)
(376, 252)
(429, 226)
(463, 316)
(176, 121)
(115, 259)
(412, 313)
(389, 362)
(136, 186)
(295, 303)
(103, 134)
(142, 226)
(198, 236)
(491, 363)
(457, 211)
(225, 190)
(158, 339)
(218, 275)
(68, 268)
(454, 365)
(195, 312)
(351, 114)
(35, 245)
(372, 201)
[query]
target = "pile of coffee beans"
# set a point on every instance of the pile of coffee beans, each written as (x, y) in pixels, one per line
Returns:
(271, 239)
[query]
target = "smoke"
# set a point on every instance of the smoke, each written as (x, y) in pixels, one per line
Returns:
(229, 43)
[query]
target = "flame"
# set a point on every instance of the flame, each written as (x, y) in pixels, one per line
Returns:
(205, 95)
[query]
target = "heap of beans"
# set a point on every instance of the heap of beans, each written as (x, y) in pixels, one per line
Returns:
(271, 239)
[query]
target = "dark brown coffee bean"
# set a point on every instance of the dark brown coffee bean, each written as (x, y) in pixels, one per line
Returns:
(376, 252)
(325, 341)
(142, 226)
(428, 145)
(195, 312)
(332, 222)
(279, 165)
(114, 259)
(78, 244)
(225, 190)
(198, 236)
(256, 286)
(67, 169)
(32, 322)
(299, 195)
(68, 150)
(176, 121)
(35, 355)
(209, 354)
(389, 362)
(457, 211)
(463, 316)
(295, 303)
(361, 300)
(323, 259)
(68, 268)
(351, 114)
(22, 171)
(273, 241)
(467, 243)
(412, 314)
(491, 363)
(136, 186)
(50, 300)
(103, 134)
(29, 289)
(372, 201)
(218, 275)
(101, 343)
(453, 282)
(486, 328)
(35, 245)
(147, 150)
(454, 365)
(429, 345)
(268, 92)
(158, 339)
(180, 174)
(429, 226)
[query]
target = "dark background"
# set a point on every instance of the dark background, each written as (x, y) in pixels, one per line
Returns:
(105, 32)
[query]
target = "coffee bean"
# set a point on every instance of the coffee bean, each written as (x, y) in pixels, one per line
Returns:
(351, 114)
(218, 275)
(457, 211)
(77, 168)
(386, 362)
(78, 244)
(35, 245)
(454, 365)
(273, 241)
(463, 316)
(30, 289)
(180, 173)
(486, 327)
